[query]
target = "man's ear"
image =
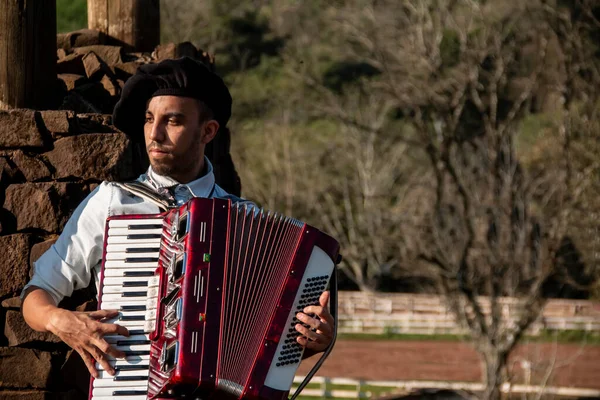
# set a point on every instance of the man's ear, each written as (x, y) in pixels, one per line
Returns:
(209, 131)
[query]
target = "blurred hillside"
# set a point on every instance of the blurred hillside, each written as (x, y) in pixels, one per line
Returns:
(454, 136)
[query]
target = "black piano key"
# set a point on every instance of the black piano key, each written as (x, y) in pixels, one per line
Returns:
(129, 392)
(137, 353)
(145, 226)
(133, 332)
(133, 308)
(140, 236)
(141, 259)
(135, 284)
(131, 367)
(142, 250)
(132, 318)
(134, 294)
(138, 273)
(132, 342)
(130, 378)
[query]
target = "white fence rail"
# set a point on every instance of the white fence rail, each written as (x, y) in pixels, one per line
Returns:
(327, 388)
(424, 314)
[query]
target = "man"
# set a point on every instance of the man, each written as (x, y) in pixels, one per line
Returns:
(180, 106)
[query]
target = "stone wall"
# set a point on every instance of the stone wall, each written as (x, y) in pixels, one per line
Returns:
(49, 162)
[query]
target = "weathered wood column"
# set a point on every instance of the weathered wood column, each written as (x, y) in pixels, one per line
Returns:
(27, 53)
(134, 24)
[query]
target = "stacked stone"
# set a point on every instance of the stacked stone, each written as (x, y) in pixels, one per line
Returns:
(92, 72)
(49, 162)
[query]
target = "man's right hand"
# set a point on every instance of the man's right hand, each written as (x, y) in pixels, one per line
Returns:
(84, 332)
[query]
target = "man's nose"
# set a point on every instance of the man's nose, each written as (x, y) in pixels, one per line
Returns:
(157, 132)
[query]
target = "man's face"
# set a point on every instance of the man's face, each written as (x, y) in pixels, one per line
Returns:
(176, 135)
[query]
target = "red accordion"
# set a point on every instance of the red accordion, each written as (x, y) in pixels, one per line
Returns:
(209, 292)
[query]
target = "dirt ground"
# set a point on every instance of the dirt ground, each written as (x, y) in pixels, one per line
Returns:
(569, 364)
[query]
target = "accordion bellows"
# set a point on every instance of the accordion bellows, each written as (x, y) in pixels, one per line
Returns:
(209, 292)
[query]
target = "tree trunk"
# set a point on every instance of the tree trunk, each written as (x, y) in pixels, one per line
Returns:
(27, 53)
(133, 24)
(495, 368)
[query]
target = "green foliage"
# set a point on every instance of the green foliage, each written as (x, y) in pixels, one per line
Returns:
(71, 15)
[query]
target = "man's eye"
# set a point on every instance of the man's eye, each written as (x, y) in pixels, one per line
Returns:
(148, 120)
(173, 121)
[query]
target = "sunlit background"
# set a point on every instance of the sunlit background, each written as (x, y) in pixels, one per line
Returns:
(453, 149)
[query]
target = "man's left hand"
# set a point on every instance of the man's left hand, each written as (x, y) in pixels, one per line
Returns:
(322, 321)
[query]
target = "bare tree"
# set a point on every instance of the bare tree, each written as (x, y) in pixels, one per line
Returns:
(464, 75)
(346, 181)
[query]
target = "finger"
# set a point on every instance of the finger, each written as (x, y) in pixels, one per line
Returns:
(100, 314)
(89, 362)
(315, 323)
(321, 312)
(308, 345)
(307, 333)
(106, 348)
(114, 329)
(324, 299)
(100, 357)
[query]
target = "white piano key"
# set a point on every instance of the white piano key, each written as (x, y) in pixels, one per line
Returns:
(103, 375)
(112, 384)
(126, 231)
(108, 391)
(115, 305)
(133, 313)
(121, 248)
(127, 324)
(112, 339)
(125, 240)
(112, 297)
(131, 360)
(120, 223)
(115, 280)
(119, 299)
(111, 397)
(120, 271)
(108, 289)
(122, 255)
(130, 265)
(133, 347)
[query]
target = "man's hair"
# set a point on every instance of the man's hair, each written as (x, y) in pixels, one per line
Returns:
(206, 114)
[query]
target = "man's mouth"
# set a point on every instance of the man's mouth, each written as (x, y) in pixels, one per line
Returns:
(158, 151)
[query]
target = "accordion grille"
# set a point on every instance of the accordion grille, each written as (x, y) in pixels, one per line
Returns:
(262, 248)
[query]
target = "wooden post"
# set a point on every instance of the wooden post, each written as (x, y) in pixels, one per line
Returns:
(27, 53)
(134, 24)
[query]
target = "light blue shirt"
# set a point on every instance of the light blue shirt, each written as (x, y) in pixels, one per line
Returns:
(77, 254)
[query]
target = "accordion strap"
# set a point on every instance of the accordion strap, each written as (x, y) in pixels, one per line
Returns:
(139, 189)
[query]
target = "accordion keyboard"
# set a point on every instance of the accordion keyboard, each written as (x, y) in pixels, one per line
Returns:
(130, 286)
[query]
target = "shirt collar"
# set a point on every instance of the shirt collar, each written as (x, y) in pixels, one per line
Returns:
(201, 187)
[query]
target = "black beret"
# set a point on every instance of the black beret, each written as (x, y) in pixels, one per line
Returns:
(184, 77)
